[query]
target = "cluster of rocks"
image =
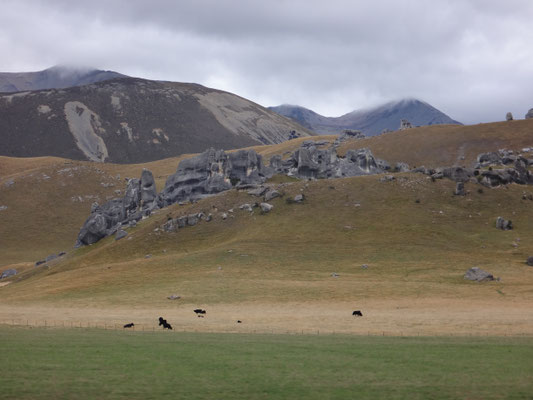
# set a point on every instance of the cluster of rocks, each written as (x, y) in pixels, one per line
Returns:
(348, 134)
(51, 257)
(309, 162)
(293, 135)
(173, 224)
(215, 171)
(514, 170)
(211, 172)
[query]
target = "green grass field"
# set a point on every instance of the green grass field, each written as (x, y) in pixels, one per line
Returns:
(96, 364)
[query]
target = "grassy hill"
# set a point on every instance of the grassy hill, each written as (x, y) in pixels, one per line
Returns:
(274, 271)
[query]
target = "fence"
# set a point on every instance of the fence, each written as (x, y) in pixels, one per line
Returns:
(116, 326)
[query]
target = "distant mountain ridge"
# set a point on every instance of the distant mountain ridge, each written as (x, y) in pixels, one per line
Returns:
(56, 77)
(132, 120)
(370, 121)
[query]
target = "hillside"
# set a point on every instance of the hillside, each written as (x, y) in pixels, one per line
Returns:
(261, 268)
(371, 121)
(130, 120)
(53, 78)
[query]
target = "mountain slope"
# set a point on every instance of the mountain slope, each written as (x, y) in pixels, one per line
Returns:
(53, 78)
(371, 121)
(130, 120)
(416, 238)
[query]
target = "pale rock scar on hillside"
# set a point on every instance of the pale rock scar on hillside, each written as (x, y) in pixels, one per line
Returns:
(235, 114)
(85, 125)
(43, 109)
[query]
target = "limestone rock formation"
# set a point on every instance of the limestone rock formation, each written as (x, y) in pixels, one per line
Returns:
(348, 134)
(266, 207)
(504, 224)
(103, 221)
(478, 275)
(402, 167)
(404, 124)
(509, 116)
(529, 114)
(459, 189)
(7, 273)
(212, 172)
(206, 174)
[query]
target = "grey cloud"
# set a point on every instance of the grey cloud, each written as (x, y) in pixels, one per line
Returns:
(472, 59)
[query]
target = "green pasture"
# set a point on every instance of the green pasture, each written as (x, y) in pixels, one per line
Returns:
(94, 364)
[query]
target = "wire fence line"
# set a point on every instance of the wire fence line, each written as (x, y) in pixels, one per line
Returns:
(116, 326)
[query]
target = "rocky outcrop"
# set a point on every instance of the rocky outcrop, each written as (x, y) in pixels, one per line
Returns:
(212, 172)
(504, 224)
(7, 273)
(266, 207)
(529, 114)
(459, 189)
(509, 116)
(348, 134)
(404, 124)
(209, 173)
(402, 167)
(478, 275)
(309, 162)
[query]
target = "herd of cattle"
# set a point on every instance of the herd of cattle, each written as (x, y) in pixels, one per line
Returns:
(201, 313)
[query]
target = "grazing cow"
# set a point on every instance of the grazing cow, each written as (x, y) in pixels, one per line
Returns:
(199, 312)
(164, 322)
(357, 313)
(130, 325)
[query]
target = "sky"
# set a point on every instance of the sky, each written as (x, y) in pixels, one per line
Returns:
(472, 59)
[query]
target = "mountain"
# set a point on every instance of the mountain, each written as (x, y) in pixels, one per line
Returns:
(53, 78)
(131, 120)
(370, 121)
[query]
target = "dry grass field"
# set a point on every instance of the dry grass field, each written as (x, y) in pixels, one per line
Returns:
(274, 271)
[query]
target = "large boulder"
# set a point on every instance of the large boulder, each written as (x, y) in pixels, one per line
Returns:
(529, 114)
(459, 189)
(312, 163)
(103, 221)
(478, 275)
(509, 116)
(148, 191)
(402, 167)
(132, 196)
(458, 174)
(7, 273)
(504, 224)
(485, 159)
(359, 162)
(405, 124)
(213, 172)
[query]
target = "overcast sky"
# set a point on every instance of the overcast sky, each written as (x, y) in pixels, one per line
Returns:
(472, 59)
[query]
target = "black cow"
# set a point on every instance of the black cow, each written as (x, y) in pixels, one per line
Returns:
(199, 312)
(357, 313)
(164, 322)
(130, 325)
